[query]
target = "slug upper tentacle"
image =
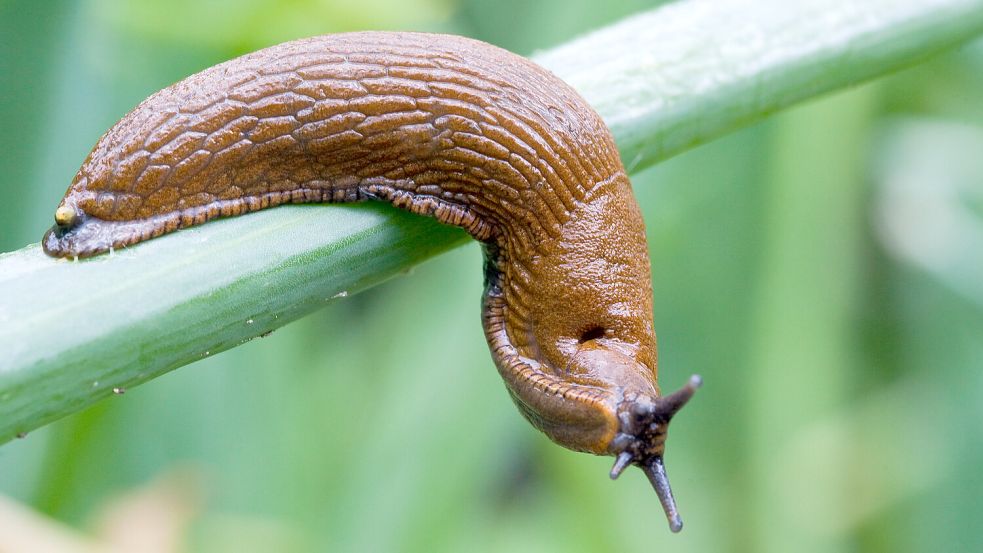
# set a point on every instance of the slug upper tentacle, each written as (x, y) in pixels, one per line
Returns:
(442, 126)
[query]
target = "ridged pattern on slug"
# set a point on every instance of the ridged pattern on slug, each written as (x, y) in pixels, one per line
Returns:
(440, 125)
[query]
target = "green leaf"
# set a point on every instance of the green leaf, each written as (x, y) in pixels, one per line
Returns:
(665, 80)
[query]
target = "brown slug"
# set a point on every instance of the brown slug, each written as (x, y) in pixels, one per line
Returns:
(439, 125)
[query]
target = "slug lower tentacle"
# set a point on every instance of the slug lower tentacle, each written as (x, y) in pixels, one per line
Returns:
(443, 126)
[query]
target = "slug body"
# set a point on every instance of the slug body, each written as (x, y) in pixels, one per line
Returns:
(442, 126)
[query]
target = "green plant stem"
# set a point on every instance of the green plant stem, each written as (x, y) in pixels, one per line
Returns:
(71, 332)
(680, 76)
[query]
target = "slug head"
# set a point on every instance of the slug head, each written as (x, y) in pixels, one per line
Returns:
(641, 441)
(633, 427)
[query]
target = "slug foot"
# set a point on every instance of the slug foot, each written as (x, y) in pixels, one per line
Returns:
(641, 440)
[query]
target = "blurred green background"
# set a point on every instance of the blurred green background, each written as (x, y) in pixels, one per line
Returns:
(823, 270)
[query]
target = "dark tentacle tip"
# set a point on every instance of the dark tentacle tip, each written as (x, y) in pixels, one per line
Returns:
(620, 464)
(655, 469)
(667, 406)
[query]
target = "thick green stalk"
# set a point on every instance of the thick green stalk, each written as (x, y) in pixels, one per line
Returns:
(665, 80)
(679, 76)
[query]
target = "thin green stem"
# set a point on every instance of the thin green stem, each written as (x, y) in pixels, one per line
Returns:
(664, 80)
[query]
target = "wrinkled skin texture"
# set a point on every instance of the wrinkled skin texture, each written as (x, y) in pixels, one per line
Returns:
(442, 126)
